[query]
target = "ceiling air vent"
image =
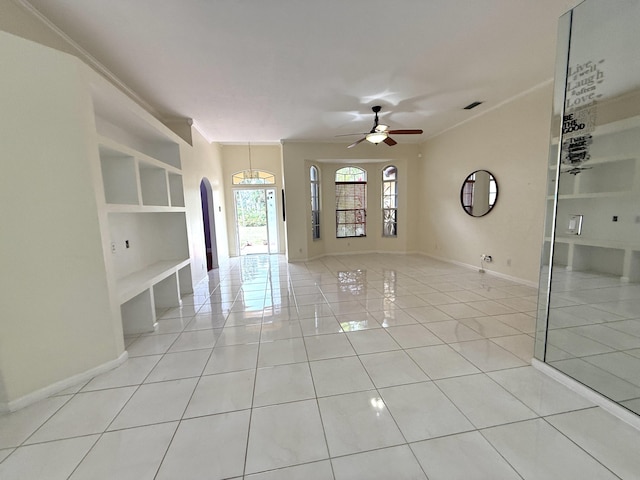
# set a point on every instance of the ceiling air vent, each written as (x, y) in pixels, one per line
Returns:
(472, 105)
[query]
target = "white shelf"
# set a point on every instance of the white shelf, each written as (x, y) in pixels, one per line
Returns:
(131, 177)
(118, 118)
(614, 258)
(124, 150)
(137, 282)
(611, 127)
(578, 240)
(120, 208)
(580, 196)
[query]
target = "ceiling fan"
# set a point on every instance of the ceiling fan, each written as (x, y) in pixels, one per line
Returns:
(380, 133)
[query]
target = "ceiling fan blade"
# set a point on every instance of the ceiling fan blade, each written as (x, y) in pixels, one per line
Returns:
(390, 141)
(351, 134)
(405, 132)
(356, 143)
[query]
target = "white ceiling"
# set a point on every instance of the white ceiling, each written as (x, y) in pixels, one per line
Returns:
(271, 70)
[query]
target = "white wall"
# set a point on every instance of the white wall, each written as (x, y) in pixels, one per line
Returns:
(203, 160)
(512, 142)
(57, 315)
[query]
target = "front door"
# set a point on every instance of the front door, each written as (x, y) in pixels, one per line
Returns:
(256, 220)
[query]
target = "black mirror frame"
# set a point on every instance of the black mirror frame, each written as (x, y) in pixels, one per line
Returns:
(462, 193)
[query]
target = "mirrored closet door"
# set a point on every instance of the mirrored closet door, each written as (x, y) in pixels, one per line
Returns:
(589, 308)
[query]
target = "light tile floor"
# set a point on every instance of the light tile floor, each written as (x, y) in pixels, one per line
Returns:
(594, 333)
(355, 367)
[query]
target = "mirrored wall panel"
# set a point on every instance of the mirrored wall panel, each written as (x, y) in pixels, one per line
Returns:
(589, 309)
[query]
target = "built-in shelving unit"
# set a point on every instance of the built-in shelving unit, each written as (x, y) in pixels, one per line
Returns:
(145, 211)
(606, 192)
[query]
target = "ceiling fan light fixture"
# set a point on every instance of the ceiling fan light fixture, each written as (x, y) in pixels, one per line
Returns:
(377, 137)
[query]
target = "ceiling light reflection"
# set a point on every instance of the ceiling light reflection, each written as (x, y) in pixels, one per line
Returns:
(378, 405)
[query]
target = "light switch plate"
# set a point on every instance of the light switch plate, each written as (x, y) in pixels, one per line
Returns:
(575, 225)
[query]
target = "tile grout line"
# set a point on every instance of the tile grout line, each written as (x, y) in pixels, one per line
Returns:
(253, 393)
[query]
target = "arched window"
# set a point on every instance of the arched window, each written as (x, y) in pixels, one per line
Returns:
(315, 202)
(253, 177)
(351, 202)
(390, 201)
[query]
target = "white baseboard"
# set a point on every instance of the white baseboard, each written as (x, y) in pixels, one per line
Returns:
(342, 254)
(28, 399)
(521, 281)
(511, 278)
(603, 402)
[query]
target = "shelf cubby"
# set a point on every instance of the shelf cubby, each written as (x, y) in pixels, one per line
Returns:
(567, 184)
(153, 185)
(138, 314)
(607, 177)
(151, 238)
(633, 273)
(184, 280)
(589, 258)
(176, 190)
(119, 177)
(561, 254)
(166, 293)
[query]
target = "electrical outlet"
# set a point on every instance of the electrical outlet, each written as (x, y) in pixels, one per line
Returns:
(113, 247)
(126, 243)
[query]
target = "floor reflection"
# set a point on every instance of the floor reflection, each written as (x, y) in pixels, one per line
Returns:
(594, 333)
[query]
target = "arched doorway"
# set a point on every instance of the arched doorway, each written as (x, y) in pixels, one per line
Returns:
(208, 220)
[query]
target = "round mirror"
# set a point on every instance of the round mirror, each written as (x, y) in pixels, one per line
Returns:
(479, 193)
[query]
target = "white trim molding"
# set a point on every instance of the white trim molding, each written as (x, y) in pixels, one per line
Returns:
(521, 281)
(57, 387)
(600, 400)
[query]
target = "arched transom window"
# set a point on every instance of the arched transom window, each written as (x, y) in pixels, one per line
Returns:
(253, 177)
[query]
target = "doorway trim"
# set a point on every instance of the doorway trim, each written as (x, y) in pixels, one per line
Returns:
(271, 214)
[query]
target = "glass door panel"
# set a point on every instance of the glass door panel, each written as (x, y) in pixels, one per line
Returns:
(251, 221)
